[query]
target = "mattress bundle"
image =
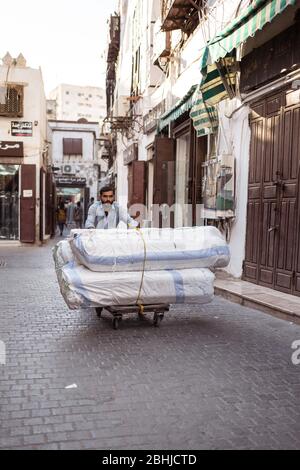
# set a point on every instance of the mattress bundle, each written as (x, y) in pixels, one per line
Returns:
(148, 266)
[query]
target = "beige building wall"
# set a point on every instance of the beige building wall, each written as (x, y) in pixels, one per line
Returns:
(79, 102)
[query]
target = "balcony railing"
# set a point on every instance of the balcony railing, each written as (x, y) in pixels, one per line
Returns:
(114, 39)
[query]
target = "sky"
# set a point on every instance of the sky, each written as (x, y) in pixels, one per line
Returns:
(66, 38)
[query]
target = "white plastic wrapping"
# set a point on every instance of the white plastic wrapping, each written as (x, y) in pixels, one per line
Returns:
(126, 250)
(82, 288)
(62, 253)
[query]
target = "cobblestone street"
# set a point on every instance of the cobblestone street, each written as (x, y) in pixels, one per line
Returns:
(211, 377)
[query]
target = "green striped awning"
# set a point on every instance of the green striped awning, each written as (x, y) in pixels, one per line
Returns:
(183, 105)
(252, 19)
(219, 80)
(204, 116)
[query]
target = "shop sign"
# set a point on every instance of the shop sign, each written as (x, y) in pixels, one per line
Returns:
(151, 119)
(27, 193)
(11, 149)
(70, 181)
(21, 128)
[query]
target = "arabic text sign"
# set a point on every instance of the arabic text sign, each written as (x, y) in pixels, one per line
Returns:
(21, 128)
(11, 149)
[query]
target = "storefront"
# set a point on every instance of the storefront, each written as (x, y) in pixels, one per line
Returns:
(70, 189)
(9, 202)
(273, 242)
(11, 158)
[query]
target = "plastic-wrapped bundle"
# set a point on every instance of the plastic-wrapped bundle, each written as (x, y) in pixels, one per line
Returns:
(82, 288)
(150, 249)
(62, 254)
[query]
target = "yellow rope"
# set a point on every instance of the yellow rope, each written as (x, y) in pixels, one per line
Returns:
(138, 301)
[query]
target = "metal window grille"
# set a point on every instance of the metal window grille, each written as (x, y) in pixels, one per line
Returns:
(12, 105)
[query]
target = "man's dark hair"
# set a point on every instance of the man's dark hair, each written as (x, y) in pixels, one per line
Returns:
(107, 189)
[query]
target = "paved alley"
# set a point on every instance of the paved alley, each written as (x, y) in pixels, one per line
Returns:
(211, 377)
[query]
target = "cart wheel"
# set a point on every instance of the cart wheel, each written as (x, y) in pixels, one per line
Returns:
(156, 319)
(99, 311)
(116, 323)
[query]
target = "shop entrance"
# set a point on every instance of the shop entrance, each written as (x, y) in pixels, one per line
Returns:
(70, 191)
(273, 241)
(9, 202)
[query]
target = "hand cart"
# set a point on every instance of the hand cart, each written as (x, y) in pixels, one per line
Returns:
(118, 312)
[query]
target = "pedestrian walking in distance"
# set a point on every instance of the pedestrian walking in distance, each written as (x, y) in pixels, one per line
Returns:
(78, 215)
(92, 201)
(61, 217)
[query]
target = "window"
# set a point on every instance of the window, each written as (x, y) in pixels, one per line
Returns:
(12, 100)
(72, 146)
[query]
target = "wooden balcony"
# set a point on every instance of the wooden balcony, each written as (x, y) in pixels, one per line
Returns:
(181, 14)
(114, 37)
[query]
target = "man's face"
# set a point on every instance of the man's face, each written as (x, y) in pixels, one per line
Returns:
(107, 198)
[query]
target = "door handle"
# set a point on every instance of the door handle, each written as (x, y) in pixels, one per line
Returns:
(271, 229)
(280, 184)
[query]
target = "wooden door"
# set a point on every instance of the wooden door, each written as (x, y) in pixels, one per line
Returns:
(272, 240)
(287, 268)
(164, 178)
(27, 203)
(269, 168)
(48, 204)
(42, 203)
(137, 175)
(164, 170)
(254, 194)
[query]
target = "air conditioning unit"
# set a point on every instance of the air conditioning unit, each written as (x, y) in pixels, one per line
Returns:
(68, 170)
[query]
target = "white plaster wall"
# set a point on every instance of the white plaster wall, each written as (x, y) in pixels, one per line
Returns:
(87, 144)
(86, 166)
(71, 106)
(184, 72)
(34, 110)
(122, 176)
(235, 139)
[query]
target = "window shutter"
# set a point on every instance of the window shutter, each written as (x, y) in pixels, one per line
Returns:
(77, 147)
(72, 146)
(13, 103)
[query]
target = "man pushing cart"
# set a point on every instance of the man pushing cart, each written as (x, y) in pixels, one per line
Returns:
(136, 271)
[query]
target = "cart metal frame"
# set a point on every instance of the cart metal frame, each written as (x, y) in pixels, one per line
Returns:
(118, 312)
